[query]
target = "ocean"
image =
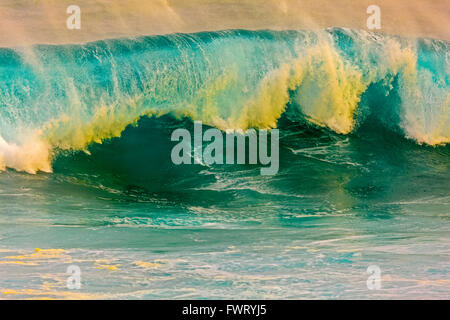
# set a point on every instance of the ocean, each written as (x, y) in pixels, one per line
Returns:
(364, 166)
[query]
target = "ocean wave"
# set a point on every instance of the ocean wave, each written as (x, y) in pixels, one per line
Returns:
(65, 97)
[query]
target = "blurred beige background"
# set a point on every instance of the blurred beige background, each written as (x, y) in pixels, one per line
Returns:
(25, 22)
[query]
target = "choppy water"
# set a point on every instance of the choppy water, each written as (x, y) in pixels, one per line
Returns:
(363, 178)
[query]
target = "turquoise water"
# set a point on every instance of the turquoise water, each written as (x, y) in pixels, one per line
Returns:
(363, 179)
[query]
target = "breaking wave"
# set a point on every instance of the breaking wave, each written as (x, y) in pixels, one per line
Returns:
(67, 97)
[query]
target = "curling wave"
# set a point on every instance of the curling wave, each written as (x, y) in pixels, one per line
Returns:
(67, 97)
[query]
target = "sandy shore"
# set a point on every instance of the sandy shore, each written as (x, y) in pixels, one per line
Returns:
(44, 21)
